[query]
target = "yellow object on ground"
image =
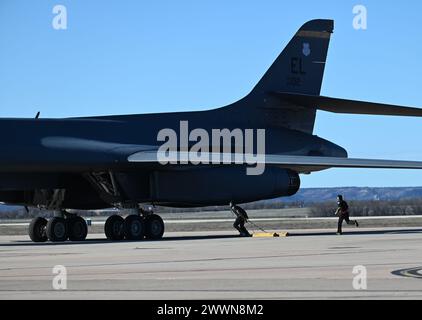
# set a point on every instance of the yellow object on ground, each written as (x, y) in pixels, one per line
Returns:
(270, 235)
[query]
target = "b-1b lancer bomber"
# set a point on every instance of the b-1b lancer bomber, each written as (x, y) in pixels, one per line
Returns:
(103, 162)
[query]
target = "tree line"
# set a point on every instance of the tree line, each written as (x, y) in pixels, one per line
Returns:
(363, 208)
(405, 207)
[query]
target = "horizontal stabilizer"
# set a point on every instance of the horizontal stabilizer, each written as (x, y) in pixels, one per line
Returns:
(349, 106)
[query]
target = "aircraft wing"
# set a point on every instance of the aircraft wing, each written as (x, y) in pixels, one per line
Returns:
(298, 163)
(349, 106)
(309, 164)
(64, 154)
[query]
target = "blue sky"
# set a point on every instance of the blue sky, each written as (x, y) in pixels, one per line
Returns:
(158, 56)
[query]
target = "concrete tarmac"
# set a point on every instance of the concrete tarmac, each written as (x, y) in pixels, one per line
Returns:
(313, 264)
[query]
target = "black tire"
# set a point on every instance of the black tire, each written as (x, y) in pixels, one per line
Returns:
(113, 228)
(134, 227)
(57, 230)
(77, 228)
(154, 227)
(37, 230)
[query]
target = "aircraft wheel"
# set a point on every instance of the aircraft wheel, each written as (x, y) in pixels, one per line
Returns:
(154, 227)
(57, 230)
(113, 228)
(134, 227)
(78, 229)
(37, 230)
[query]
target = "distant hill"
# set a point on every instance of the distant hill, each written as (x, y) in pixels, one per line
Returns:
(317, 195)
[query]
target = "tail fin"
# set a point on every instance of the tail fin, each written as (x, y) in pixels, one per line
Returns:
(298, 69)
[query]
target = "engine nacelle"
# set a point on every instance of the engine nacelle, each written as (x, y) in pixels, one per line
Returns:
(219, 186)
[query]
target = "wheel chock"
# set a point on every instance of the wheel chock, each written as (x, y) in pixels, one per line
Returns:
(270, 235)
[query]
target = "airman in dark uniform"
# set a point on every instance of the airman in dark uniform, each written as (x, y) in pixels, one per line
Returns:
(343, 214)
(241, 219)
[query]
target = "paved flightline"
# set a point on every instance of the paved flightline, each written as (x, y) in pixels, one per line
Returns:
(218, 265)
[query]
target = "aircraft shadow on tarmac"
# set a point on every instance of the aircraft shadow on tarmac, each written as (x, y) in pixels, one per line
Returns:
(105, 241)
(210, 237)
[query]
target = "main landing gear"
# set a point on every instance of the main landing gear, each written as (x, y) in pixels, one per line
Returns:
(58, 229)
(134, 227)
(67, 226)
